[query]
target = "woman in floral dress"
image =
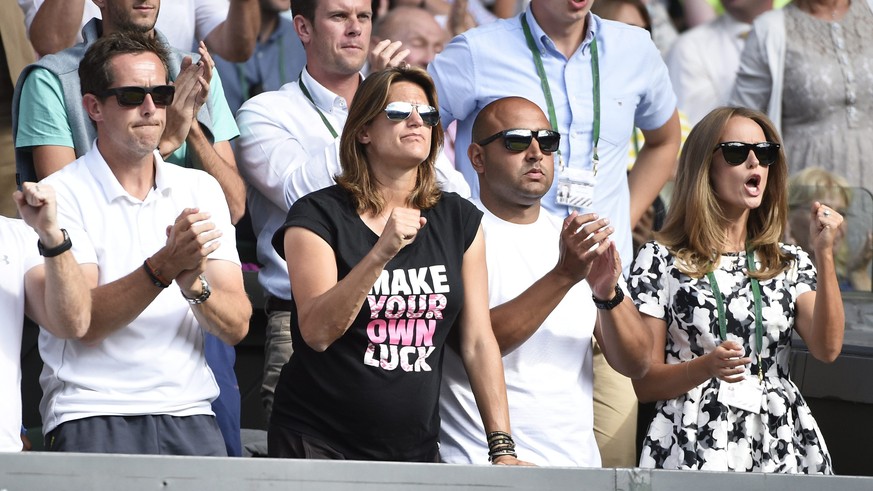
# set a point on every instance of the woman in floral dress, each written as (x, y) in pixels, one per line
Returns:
(722, 296)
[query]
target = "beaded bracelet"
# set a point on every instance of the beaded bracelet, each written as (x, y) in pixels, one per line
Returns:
(500, 443)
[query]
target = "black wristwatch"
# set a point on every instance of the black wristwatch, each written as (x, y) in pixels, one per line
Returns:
(59, 249)
(609, 304)
(204, 294)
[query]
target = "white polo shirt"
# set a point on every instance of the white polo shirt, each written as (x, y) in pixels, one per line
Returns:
(18, 253)
(156, 364)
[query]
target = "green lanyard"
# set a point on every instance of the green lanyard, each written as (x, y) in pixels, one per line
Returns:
(308, 96)
(756, 293)
(547, 91)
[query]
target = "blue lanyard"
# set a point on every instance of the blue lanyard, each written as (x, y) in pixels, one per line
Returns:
(756, 294)
(547, 91)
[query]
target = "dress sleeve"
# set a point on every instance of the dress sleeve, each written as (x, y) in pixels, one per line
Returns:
(804, 271)
(647, 281)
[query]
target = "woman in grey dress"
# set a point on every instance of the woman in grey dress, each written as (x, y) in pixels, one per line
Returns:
(810, 67)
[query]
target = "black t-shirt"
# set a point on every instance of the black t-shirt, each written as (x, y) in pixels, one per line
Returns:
(373, 394)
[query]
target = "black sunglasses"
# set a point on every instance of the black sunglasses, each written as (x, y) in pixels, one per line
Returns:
(162, 95)
(735, 153)
(517, 140)
(399, 111)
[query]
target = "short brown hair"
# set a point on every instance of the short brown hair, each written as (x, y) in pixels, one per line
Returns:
(95, 69)
(369, 102)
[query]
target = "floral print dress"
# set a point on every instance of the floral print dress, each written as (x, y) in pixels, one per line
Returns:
(695, 430)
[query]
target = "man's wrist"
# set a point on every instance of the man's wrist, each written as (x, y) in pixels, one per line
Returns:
(52, 237)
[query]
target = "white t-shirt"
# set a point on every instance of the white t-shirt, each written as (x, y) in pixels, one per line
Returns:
(18, 253)
(548, 378)
(155, 364)
(183, 22)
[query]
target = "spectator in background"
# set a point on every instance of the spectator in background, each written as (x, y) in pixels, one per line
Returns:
(703, 62)
(199, 125)
(138, 381)
(814, 184)
(810, 67)
(416, 29)
(278, 58)
(229, 27)
(50, 290)
(722, 296)
(15, 54)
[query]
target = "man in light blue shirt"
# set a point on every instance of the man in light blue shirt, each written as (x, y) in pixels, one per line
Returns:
(496, 60)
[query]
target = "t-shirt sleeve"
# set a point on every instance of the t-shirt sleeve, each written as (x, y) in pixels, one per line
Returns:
(209, 14)
(472, 218)
(646, 282)
(307, 213)
(223, 124)
(659, 101)
(42, 101)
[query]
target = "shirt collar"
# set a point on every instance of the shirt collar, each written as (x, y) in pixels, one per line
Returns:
(112, 189)
(732, 26)
(545, 43)
(321, 95)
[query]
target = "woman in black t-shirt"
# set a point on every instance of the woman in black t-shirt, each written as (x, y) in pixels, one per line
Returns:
(382, 266)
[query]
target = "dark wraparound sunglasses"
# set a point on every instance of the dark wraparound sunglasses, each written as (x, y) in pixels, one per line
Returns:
(735, 153)
(162, 95)
(517, 140)
(399, 111)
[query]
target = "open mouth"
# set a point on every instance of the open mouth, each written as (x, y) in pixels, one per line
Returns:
(753, 184)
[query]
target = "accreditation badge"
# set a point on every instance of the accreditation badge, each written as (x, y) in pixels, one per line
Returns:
(575, 188)
(747, 394)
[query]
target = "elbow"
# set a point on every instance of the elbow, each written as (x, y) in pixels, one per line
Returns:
(639, 368)
(237, 211)
(828, 355)
(237, 335)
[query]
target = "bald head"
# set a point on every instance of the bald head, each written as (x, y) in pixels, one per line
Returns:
(511, 180)
(416, 29)
(508, 113)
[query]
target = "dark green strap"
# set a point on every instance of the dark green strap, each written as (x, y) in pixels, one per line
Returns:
(756, 294)
(308, 96)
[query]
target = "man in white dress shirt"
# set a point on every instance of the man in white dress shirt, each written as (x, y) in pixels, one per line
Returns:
(703, 62)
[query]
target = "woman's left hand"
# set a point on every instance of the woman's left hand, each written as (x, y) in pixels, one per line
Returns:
(825, 227)
(510, 460)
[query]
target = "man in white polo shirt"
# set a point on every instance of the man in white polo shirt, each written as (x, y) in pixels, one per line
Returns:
(50, 291)
(138, 382)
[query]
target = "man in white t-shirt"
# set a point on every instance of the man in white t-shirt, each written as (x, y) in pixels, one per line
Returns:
(542, 313)
(48, 289)
(138, 381)
(228, 27)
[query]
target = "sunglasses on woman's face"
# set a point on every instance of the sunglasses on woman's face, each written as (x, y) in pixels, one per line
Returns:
(162, 95)
(735, 153)
(517, 140)
(399, 111)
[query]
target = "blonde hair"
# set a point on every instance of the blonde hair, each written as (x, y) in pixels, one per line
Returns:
(369, 102)
(694, 230)
(813, 184)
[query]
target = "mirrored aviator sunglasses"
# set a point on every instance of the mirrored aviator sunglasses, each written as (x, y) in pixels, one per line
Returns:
(162, 95)
(517, 140)
(735, 153)
(399, 111)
